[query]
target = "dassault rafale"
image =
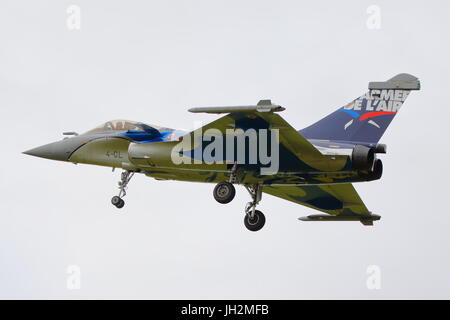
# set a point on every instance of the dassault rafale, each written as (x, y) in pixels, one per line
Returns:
(255, 147)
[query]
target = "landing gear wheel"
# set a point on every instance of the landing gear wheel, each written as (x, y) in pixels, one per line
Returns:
(125, 178)
(224, 192)
(256, 223)
(121, 204)
(118, 202)
(115, 200)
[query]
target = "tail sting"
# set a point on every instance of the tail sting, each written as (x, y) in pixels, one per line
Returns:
(365, 119)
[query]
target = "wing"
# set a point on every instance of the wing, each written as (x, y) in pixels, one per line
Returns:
(340, 201)
(263, 116)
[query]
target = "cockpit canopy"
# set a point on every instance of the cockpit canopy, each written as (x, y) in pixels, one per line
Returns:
(124, 126)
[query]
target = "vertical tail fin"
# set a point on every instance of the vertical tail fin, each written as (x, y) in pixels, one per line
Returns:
(365, 119)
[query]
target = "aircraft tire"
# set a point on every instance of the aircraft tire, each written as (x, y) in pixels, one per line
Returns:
(224, 192)
(115, 200)
(120, 204)
(256, 223)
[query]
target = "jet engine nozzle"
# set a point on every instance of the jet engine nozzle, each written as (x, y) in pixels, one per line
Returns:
(376, 172)
(381, 148)
(363, 158)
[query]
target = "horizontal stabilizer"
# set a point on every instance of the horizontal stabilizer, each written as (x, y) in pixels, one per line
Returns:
(366, 220)
(262, 106)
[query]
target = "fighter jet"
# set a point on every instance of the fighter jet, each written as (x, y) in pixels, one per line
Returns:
(253, 146)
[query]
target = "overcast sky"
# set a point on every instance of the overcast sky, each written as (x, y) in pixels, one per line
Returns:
(152, 60)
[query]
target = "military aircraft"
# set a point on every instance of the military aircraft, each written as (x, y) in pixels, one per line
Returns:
(255, 147)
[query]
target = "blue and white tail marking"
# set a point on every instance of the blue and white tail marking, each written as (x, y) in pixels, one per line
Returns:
(365, 119)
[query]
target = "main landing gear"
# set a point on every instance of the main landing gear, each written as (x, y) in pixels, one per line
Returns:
(117, 201)
(254, 219)
(224, 192)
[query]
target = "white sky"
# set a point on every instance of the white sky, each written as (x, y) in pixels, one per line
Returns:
(150, 61)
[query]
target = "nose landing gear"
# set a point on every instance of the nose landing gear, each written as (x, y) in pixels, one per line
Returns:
(117, 201)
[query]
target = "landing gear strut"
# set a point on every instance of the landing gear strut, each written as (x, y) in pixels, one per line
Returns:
(117, 201)
(254, 219)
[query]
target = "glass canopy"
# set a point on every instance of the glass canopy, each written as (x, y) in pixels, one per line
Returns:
(125, 125)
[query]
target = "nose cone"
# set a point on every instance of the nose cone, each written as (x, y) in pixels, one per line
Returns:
(54, 151)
